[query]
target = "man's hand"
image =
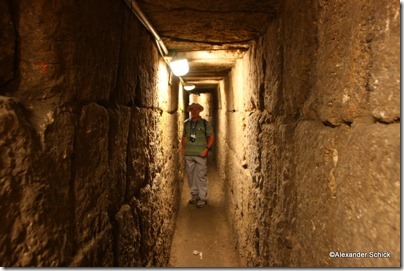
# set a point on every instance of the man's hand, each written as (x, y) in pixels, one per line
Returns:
(204, 153)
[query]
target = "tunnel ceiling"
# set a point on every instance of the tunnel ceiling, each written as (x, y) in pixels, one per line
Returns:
(211, 34)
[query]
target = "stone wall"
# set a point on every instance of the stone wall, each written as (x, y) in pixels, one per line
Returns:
(89, 170)
(308, 137)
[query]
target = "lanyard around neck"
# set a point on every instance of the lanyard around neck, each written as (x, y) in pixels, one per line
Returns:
(193, 127)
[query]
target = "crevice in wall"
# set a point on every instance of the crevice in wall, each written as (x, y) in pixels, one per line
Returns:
(137, 100)
(72, 194)
(329, 124)
(348, 123)
(261, 101)
(115, 234)
(142, 241)
(127, 197)
(104, 103)
(114, 90)
(396, 120)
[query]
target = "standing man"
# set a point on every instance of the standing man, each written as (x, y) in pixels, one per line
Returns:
(197, 140)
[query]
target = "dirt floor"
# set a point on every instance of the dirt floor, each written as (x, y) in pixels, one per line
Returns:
(204, 230)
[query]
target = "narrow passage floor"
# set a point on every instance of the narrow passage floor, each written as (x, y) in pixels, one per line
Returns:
(205, 230)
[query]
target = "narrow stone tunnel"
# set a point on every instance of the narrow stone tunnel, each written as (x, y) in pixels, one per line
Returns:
(303, 96)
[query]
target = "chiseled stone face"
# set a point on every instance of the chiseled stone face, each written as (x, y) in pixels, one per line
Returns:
(86, 153)
(309, 141)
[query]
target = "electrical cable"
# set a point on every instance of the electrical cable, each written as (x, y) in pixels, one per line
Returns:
(142, 18)
(208, 42)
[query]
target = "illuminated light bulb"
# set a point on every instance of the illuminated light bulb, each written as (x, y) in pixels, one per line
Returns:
(179, 67)
(189, 87)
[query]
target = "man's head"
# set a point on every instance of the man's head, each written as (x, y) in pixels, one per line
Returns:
(195, 109)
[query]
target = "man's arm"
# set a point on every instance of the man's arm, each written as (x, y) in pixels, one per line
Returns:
(209, 145)
(211, 140)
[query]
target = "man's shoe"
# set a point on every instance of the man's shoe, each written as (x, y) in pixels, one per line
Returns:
(201, 203)
(195, 199)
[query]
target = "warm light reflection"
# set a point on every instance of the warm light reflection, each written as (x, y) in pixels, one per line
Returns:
(239, 86)
(162, 85)
(194, 98)
(206, 55)
(181, 104)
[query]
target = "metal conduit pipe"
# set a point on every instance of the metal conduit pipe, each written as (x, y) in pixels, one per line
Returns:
(142, 18)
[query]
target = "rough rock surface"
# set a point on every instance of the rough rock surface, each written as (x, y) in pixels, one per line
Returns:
(85, 162)
(209, 24)
(309, 137)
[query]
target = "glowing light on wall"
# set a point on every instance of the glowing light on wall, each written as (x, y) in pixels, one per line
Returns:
(162, 85)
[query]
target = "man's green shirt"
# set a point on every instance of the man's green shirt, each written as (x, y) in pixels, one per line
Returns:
(201, 129)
